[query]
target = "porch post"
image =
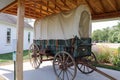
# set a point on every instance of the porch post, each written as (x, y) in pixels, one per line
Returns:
(20, 32)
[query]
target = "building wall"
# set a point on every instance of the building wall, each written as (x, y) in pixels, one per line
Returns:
(4, 46)
(26, 43)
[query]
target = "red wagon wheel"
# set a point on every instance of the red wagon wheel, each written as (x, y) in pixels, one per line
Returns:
(35, 57)
(88, 60)
(64, 66)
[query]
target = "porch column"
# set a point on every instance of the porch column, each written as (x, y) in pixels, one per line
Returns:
(20, 32)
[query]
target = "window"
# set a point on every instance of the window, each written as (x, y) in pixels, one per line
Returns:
(28, 36)
(8, 35)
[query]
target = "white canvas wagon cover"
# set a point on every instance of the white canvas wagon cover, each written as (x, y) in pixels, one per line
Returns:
(65, 25)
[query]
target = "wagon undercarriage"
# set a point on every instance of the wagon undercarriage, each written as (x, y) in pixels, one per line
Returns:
(65, 64)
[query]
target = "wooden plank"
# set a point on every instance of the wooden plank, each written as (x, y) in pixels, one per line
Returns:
(87, 2)
(116, 4)
(65, 4)
(20, 32)
(56, 4)
(103, 7)
(106, 15)
(74, 2)
(112, 5)
(96, 6)
(44, 4)
(47, 6)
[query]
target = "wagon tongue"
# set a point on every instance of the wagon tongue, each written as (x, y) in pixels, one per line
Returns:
(101, 72)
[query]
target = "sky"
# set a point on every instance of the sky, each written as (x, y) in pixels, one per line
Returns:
(103, 24)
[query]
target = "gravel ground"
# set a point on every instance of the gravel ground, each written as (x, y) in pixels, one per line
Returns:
(45, 72)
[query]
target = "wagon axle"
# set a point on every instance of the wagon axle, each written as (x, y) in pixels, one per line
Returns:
(34, 55)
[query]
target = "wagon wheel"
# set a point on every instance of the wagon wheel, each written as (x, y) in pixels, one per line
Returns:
(87, 61)
(64, 66)
(35, 57)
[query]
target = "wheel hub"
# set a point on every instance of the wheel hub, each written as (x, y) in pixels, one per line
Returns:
(63, 66)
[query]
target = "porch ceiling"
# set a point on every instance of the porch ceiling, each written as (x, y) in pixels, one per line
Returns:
(100, 9)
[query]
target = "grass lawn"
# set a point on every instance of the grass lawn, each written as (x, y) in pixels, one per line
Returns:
(7, 58)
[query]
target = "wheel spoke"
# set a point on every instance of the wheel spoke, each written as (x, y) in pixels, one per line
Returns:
(63, 57)
(60, 73)
(38, 62)
(60, 57)
(71, 68)
(67, 58)
(35, 58)
(70, 64)
(34, 62)
(67, 75)
(88, 69)
(84, 68)
(63, 75)
(64, 61)
(88, 61)
(70, 72)
(81, 66)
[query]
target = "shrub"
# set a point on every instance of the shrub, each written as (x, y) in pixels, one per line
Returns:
(118, 50)
(103, 54)
(103, 58)
(116, 58)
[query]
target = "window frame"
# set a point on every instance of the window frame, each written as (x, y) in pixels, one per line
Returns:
(8, 36)
(29, 37)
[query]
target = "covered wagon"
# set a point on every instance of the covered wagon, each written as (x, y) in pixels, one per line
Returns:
(64, 38)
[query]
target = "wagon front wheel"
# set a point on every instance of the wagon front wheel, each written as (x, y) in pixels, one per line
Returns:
(64, 66)
(87, 61)
(34, 56)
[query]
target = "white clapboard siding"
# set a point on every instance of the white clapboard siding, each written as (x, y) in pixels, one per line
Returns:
(4, 46)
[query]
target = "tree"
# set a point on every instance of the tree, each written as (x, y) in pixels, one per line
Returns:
(115, 33)
(107, 34)
(96, 36)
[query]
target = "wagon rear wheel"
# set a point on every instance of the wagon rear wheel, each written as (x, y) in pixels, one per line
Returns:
(35, 57)
(87, 61)
(64, 66)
